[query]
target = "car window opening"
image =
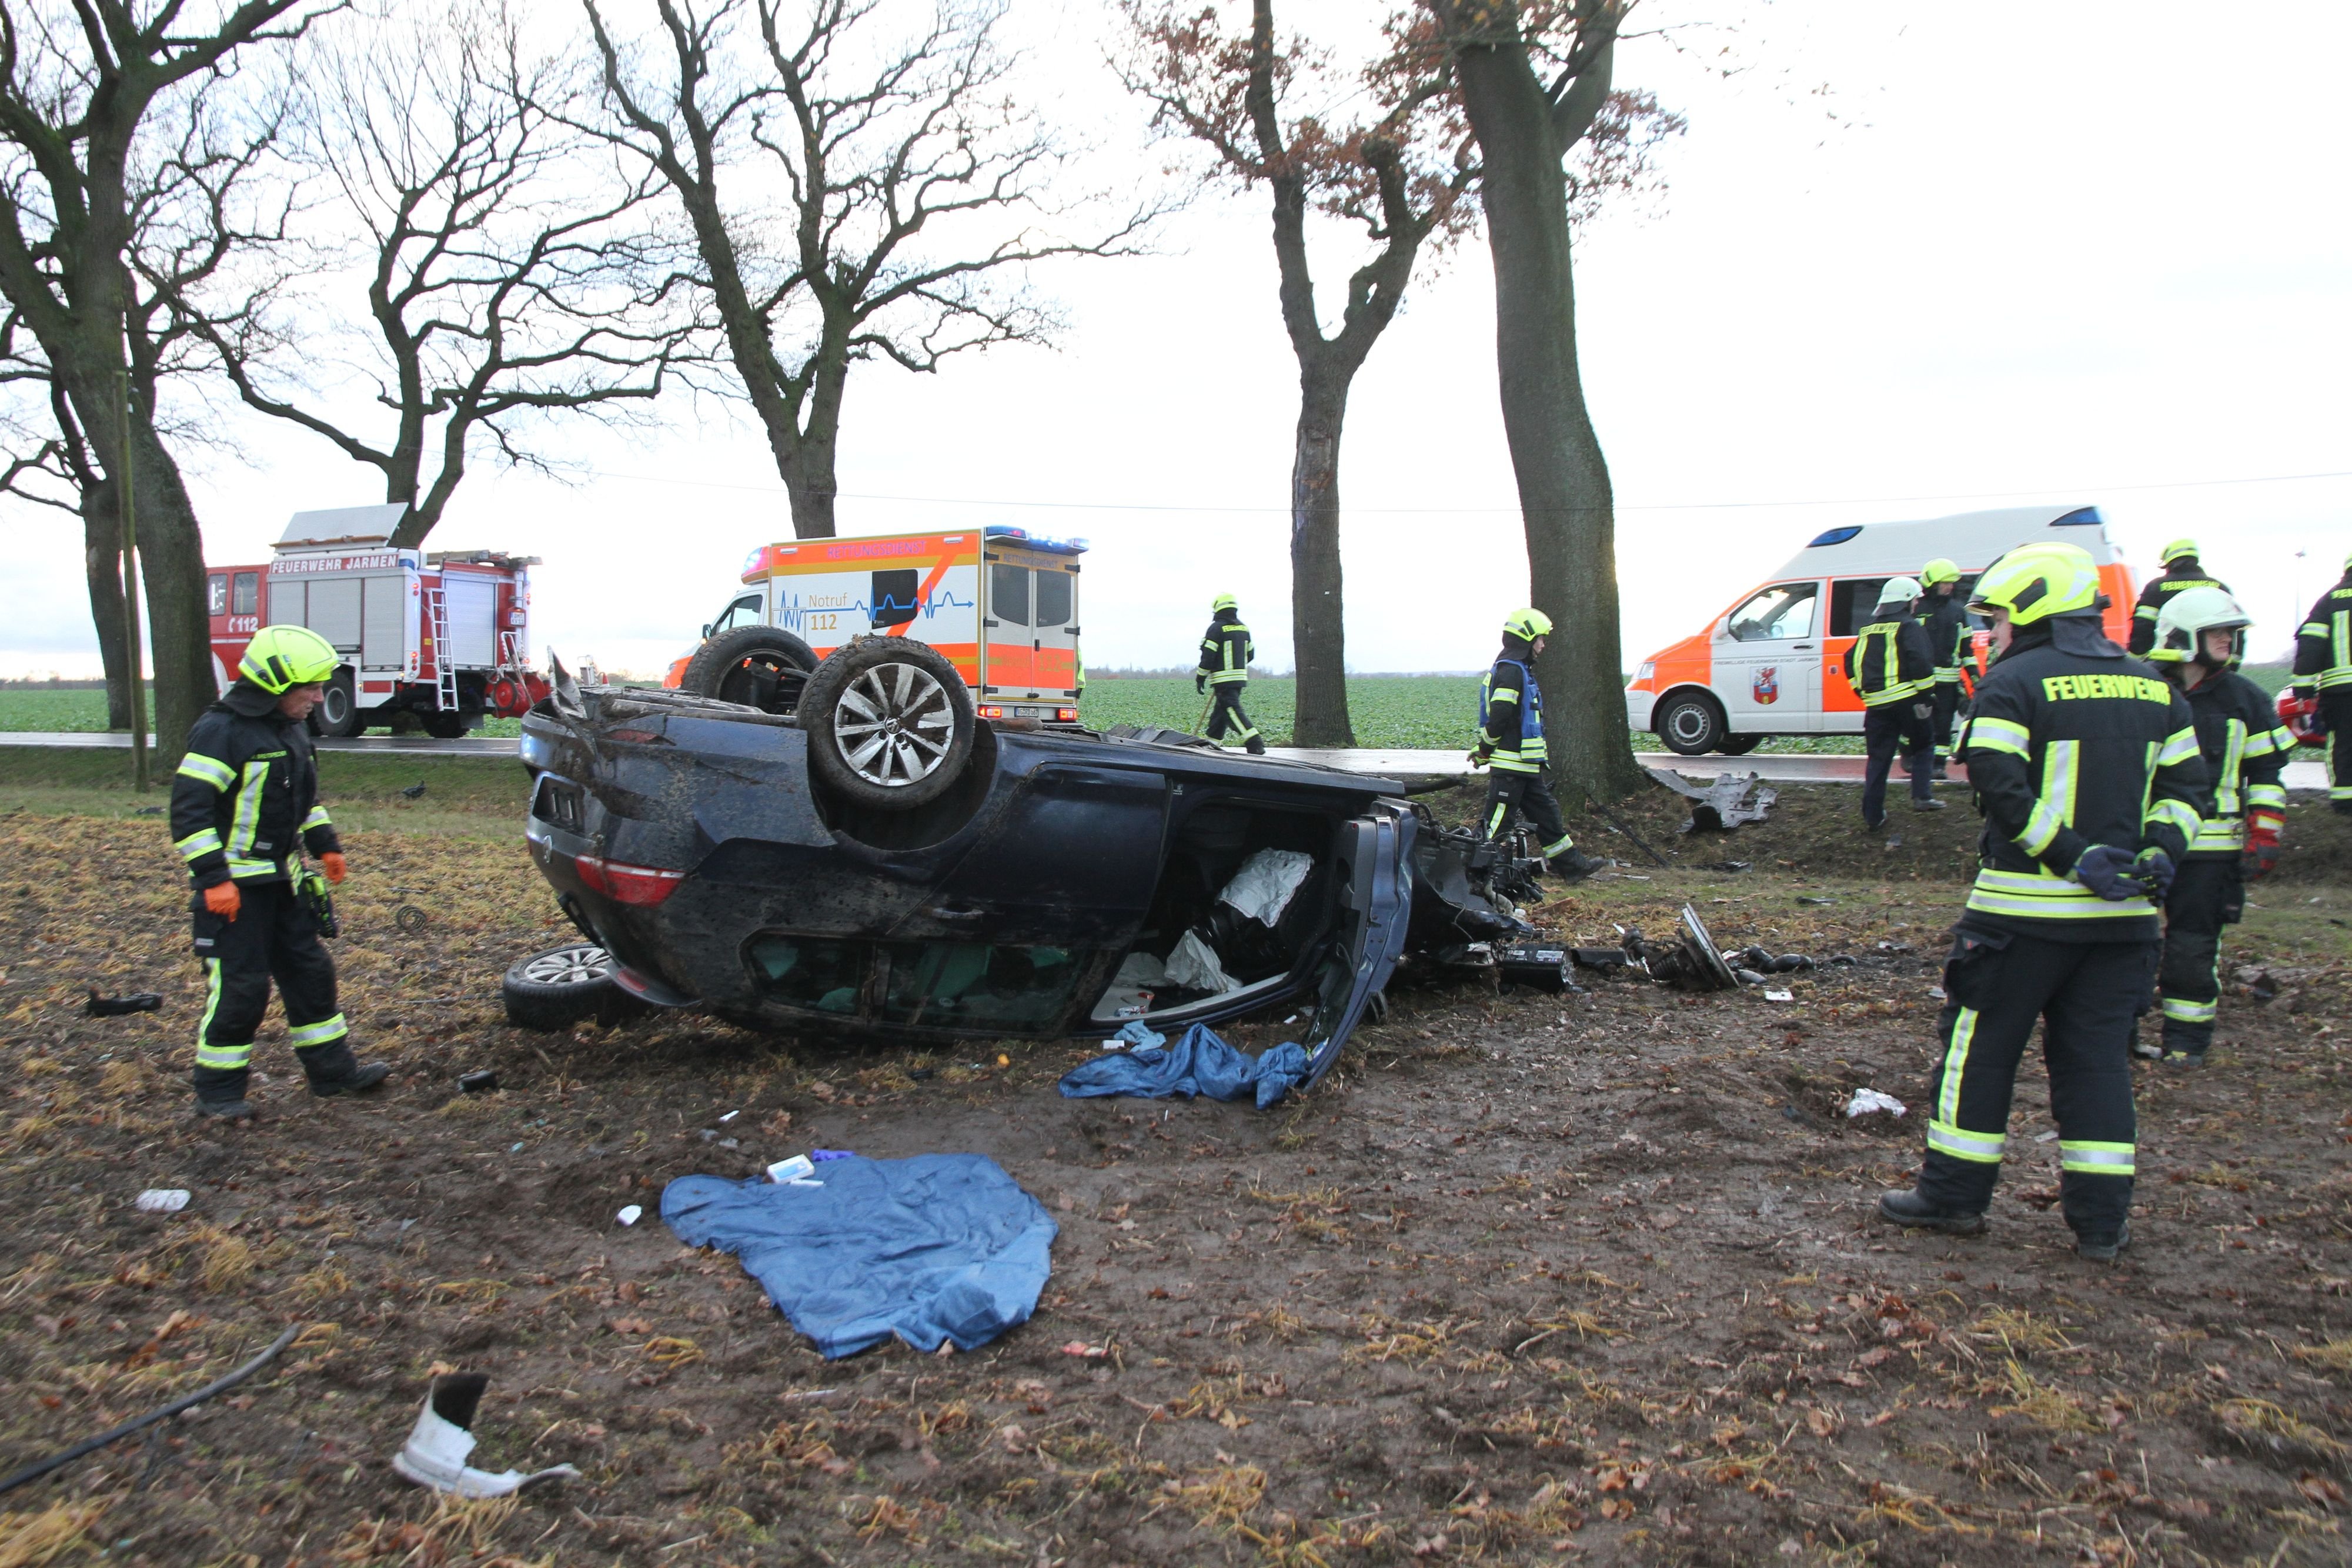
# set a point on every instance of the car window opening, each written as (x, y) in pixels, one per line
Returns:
(1782, 611)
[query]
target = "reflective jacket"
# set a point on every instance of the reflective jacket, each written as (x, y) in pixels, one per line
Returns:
(1225, 650)
(1511, 717)
(2071, 744)
(1946, 621)
(2323, 646)
(1890, 662)
(2245, 749)
(2158, 593)
(247, 787)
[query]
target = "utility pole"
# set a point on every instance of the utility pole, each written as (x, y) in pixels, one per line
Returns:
(132, 660)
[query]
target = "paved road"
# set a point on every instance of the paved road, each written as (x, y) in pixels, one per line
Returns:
(1780, 768)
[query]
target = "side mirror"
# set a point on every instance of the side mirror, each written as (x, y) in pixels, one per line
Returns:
(705, 630)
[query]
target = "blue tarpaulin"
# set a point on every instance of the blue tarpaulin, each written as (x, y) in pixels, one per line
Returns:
(1199, 1063)
(933, 1249)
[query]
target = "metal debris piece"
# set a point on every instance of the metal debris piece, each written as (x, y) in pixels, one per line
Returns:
(477, 1082)
(408, 920)
(100, 1007)
(1727, 802)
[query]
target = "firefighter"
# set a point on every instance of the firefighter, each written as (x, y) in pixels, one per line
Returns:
(244, 807)
(2086, 765)
(2323, 669)
(2200, 636)
(1223, 672)
(1945, 619)
(2181, 572)
(1511, 740)
(1891, 669)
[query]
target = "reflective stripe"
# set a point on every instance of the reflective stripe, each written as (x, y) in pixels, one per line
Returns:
(2217, 834)
(2178, 746)
(2179, 813)
(2000, 735)
(317, 818)
(1955, 1062)
(2040, 827)
(2062, 765)
(1560, 846)
(239, 870)
(1983, 1148)
(2186, 1012)
(2340, 793)
(1495, 825)
(2098, 1159)
(202, 841)
(248, 821)
(207, 1053)
(1884, 633)
(318, 1033)
(2045, 896)
(1513, 762)
(211, 770)
(2261, 795)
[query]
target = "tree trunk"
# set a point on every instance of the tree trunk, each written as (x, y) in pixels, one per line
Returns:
(102, 549)
(1318, 636)
(810, 484)
(1564, 495)
(172, 570)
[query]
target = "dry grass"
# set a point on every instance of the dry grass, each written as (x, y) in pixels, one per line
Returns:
(2044, 1405)
(35, 1540)
(2260, 1417)
(2019, 1334)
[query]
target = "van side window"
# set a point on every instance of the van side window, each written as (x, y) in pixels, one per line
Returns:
(742, 613)
(1782, 611)
(1850, 601)
(246, 598)
(216, 594)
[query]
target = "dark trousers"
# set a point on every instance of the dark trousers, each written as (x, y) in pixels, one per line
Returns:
(1225, 713)
(272, 938)
(1883, 729)
(1947, 708)
(1526, 794)
(2335, 712)
(2086, 996)
(2206, 895)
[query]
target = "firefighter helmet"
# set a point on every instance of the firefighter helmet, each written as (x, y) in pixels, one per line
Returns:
(2176, 551)
(1223, 602)
(280, 657)
(2181, 625)
(2036, 582)
(1527, 624)
(1940, 570)
(1899, 591)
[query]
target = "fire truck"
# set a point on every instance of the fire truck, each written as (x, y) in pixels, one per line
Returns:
(1000, 603)
(445, 636)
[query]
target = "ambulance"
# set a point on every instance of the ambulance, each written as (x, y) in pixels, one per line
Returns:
(1773, 663)
(1001, 604)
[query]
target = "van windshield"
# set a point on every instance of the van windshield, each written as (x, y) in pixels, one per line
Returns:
(1782, 611)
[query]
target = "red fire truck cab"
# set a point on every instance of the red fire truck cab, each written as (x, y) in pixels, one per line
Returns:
(445, 636)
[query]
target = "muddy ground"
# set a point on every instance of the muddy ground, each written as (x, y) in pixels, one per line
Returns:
(1531, 1277)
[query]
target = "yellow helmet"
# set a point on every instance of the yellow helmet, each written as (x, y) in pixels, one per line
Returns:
(1223, 602)
(280, 657)
(2175, 550)
(2181, 625)
(1527, 624)
(2037, 582)
(1940, 570)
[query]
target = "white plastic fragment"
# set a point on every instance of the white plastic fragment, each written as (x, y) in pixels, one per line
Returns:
(162, 1200)
(435, 1455)
(1780, 996)
(631, 1214)
(1865, 1100)
(730, 1116)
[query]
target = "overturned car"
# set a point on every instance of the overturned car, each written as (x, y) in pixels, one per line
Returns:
(856, 853)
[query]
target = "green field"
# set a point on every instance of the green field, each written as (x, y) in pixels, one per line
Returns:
(476, 797)
(71, 711)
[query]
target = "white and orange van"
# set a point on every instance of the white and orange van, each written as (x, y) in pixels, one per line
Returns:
(1774, 662)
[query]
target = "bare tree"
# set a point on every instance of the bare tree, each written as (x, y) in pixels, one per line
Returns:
(116, 181)
(912, 189)
(1396, 174)
(1527, 128)
(506, 267)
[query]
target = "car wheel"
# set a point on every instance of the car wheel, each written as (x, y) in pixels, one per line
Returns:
(1691, 725)
(889, 723)
(757, 666)
(1739, 745)
(555, 989)
(444, 725)
(338, 713)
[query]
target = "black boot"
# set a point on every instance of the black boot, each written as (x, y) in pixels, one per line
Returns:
(1256, 747)
(332, 1069)
(2103, 1248)
(1572, 864)
(220, 1091)
(1908, 1208)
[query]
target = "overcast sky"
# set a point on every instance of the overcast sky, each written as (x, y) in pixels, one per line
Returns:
(2074, 253)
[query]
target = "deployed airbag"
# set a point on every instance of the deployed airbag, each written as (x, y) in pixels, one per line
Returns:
(940, 1249)
(1194, 966)
(1199, 1063)
(1266, 882)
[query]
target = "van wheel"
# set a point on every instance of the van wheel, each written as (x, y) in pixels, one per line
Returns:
(338, 710)
(440, 725)
(889, 723)
(1739, 745)
(1691, 725)
(759, 666)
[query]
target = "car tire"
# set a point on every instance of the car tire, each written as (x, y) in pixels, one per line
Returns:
(338, 713)
(889, 723)
(444, 725)
(757, 666)
(561, 987)
(1690, 724)
(1739, 745)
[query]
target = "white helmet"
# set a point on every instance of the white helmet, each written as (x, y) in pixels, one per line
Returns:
(1899, 591)
(2187, 616)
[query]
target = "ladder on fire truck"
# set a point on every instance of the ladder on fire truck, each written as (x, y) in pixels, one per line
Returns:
(444, 693)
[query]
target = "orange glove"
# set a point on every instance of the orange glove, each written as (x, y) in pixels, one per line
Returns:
(224, 900)
(332, 864)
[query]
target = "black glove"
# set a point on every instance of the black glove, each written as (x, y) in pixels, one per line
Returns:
(2109, 872)
(1200, 685)
(2154, 870)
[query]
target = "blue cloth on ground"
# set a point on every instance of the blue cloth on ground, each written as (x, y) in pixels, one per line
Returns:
(934, 1249)
(1199, 1063)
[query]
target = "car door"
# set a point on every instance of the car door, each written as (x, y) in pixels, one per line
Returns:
(1766, 660)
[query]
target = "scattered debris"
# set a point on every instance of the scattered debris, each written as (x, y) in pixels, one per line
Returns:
(162, 1200)
(1693, 964)
(1769, 963)
(1199, 1063)
(1866, 1100)
(100, 1007)
(435, 1455)
(408, 920)
(1808, 898)
(1730, 801)
(1729, 866)
(1080, 1348)
(1539, 968)
(477, 1082)
(798, 1168)
(631, 1214)
(1780, 996)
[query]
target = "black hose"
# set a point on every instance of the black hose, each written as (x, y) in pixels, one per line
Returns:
(88, 1444)
(1619, 823)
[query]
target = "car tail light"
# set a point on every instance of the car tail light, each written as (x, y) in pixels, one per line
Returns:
(1066, 715)
(625, 884)
(991, 710)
